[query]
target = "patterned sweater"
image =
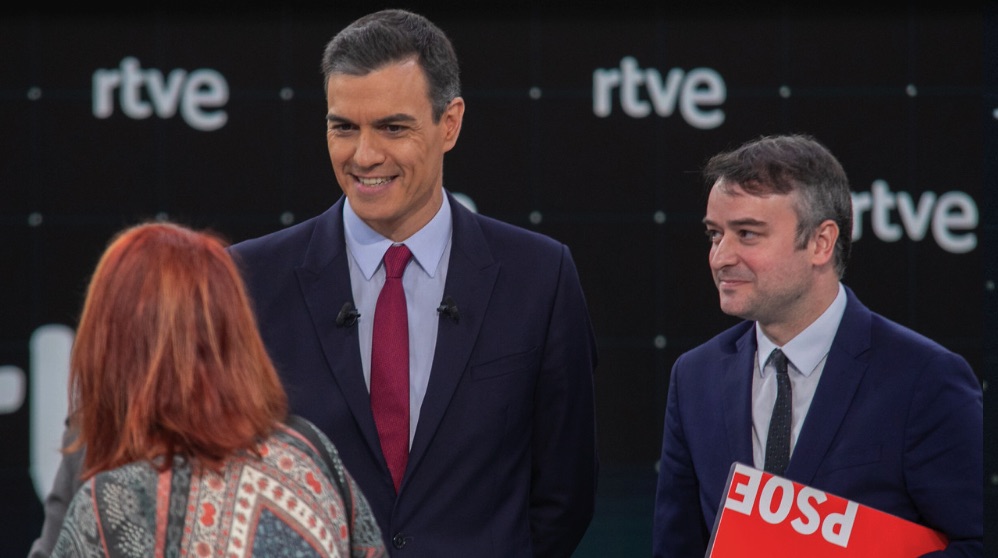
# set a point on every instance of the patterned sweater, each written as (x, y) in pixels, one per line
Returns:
(296, 500)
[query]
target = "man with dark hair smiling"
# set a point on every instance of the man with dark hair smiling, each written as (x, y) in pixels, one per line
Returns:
(468, 425)
(488, 447)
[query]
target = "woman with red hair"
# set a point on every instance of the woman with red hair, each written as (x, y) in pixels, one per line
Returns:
(188, 446)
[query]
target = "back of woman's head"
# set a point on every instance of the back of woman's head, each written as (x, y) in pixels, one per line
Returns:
(168, 359)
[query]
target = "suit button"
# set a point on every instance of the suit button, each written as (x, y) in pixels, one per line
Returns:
(398, 541)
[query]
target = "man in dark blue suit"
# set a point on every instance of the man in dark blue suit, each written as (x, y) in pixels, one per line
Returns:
(877, 413)
(502, 452)
(500, 418)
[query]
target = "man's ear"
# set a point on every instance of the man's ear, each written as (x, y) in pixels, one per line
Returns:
(822, 244)
(451, 121)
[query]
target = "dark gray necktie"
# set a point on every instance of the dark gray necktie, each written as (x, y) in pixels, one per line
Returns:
(778, 441)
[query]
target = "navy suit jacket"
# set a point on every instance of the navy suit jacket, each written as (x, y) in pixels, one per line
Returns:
(896, 423)
(503, 461)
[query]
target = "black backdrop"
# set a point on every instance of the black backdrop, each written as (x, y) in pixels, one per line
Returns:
(553, 140)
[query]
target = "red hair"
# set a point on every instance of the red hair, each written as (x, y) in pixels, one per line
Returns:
(167, 358)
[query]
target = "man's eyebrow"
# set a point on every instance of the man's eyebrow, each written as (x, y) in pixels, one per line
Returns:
(394, 118)
(337, 118)
(390, 119)
(745, 222)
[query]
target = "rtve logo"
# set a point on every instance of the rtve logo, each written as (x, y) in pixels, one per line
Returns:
(195, 94)
(692, 91)
(49, 353)
(951, 216)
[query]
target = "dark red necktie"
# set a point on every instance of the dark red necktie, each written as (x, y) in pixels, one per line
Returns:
(390, 365)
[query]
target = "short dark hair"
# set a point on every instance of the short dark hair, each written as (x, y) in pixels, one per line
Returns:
(388, 36)
(782, 164)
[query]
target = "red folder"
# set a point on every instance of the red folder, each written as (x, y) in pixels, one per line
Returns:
(769, 516)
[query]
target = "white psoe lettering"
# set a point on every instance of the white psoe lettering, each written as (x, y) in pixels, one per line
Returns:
(701, 87)
(192, 93)
(777, 498)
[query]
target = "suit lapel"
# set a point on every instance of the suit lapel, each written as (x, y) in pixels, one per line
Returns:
(843, 372)
(738, 367)
(324, 278)
(471, 275)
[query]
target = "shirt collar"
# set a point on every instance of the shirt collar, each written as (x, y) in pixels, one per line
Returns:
(368, 247)
(809, 347)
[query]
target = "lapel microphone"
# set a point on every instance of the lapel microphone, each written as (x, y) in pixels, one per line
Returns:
(448, 308)
(348, 315)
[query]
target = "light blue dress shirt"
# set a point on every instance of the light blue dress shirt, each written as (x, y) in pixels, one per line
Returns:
(423, 282)
(806, 353)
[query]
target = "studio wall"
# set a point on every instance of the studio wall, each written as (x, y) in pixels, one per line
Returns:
(586, 125)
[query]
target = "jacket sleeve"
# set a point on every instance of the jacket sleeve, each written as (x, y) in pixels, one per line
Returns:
(678, 528)
(944, 453)
(565, 462)
(67, 482)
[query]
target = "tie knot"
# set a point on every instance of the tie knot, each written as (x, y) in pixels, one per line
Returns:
(779, 360)
(396, 258)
